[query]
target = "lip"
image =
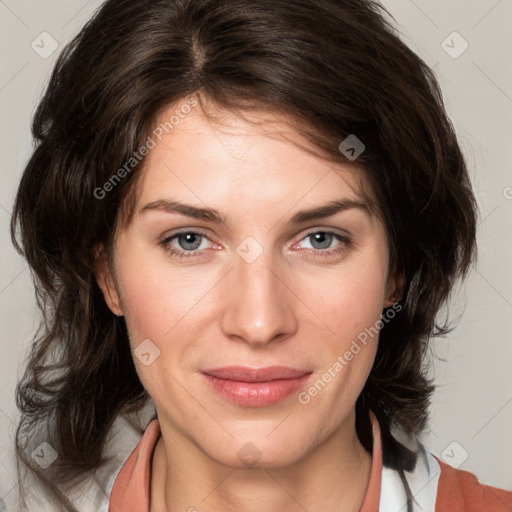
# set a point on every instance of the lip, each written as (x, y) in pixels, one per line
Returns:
(256, 387)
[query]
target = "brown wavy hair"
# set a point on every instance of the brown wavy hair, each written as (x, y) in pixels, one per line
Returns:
(336, 67)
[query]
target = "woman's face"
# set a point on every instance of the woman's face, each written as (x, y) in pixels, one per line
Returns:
(267, 286)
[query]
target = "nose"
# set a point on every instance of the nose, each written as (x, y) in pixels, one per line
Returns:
(259, 306)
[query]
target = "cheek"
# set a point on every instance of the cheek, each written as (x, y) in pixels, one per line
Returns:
(144, 307)
(349, 308)
(348, 300)
(159, 301)
(349, 304)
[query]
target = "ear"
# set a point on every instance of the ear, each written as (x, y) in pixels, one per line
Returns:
(106, 280)
(395, 288)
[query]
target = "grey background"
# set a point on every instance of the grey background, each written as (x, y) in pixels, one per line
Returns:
(471, 415)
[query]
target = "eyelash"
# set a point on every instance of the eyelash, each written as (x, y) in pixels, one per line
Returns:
(345, 242)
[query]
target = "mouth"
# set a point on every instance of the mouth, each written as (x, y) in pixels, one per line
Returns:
(256, 387)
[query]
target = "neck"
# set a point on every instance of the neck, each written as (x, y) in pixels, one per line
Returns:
(334, 476)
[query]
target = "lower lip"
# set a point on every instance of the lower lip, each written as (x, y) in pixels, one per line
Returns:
(256, 394)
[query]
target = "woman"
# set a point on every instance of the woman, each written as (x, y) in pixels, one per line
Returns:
(191, 154)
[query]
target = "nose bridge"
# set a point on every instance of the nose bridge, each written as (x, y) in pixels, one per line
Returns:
(259, 306)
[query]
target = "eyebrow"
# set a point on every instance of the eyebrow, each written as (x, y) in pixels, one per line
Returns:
(213, 215)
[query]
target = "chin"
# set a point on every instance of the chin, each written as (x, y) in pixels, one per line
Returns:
(258, 454)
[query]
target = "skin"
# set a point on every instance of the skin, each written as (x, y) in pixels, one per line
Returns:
(292, 306)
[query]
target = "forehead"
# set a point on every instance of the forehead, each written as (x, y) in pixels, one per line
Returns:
(229, 159)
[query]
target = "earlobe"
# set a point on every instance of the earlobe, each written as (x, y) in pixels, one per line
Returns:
(105, 280)
(395, 290)
(392, 300)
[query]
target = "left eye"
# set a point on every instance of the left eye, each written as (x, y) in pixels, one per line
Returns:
(323, 238)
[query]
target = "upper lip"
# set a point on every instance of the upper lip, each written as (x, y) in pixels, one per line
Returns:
(264, 374)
